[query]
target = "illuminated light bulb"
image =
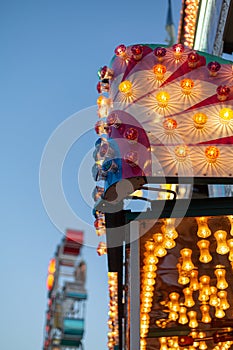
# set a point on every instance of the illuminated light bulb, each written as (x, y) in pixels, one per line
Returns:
(222, 247)
(225, 115)
(219, 313)
(194, 284)
(205, 256)
(223, 92)
(150, 259)
(159, 70)
(101, 249)
(192, 319)
(168, 229)
(147, 294)
(163, 98)
(183, 319)
(230, 245)
(149, 274)
(181, 152)
(200, 119)
(173, 316)
(160, 53)
(188, 294)
(149, 268)
(125, 87)
(121, 51)
(163, 343)
(113, 120)
(142, 344)
(137, 52)
(202, 343)
(187, 264)
(187, 86)
(183, 279)
(159, 251)
(214, 300)
(131, 135)
(149, 281)
(150, 246)
(100, 227)
(223, 303)
(204, 288)
(213, 68)
(169, 125)
(212, 153)
(221, 280)
(193, 59)
(131, 158)
(178, 50)
(169, 243)
(104, 106)
(230, 218)
(173, 304)
(205, 313)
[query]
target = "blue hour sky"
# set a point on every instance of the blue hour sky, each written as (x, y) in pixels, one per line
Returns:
(50, 53)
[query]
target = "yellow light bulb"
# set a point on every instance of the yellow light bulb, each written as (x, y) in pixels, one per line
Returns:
(205, 313)
(187, 86)
(205, 256)
(188, 294)
(159, 71)
(219, 313)
(204, 288)
(183, 319)
(125, 87)
(203, 230)
(222, 247)
(194, 284)
(168, 229)
(221, 280)
(181, 152)
(230, 245)
(230, 218)
(200, 119)
(150, 246)
(163, 98)
(193, 319)
(187, 264)
(159, 251)
(212, 153)
(223, 303)
(226, 115)
(173, 304)
(214, 300)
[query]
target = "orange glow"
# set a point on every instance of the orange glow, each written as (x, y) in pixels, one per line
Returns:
(125, 87)
(170, 124)
(187, 86)
(52, 266)
(181, 152)
(159, 71)
(50, 282)
(163, 98)
(200, 120)
(226, 114)
(212, 153)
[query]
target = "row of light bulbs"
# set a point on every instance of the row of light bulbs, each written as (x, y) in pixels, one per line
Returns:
(209, 296)
(113, 333)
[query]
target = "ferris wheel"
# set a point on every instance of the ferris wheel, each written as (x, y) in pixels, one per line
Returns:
(65, 314)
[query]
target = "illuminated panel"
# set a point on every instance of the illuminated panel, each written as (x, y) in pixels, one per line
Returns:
(167, 113)
(186, 285)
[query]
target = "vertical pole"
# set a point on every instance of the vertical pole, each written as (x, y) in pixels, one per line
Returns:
(134, 271)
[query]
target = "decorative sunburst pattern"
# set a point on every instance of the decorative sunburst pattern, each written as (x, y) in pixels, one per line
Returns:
(144, 104)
